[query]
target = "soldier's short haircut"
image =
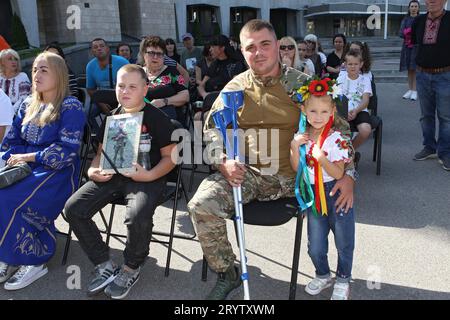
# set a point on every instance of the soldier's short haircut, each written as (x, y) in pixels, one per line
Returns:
(256, 25)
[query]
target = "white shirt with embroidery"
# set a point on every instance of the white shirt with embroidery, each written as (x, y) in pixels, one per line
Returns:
(336, 149)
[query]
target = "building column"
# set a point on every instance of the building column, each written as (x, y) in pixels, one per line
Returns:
(28, 13)
(181, 8)
(265, 11)
(301, 23)
(225, 19)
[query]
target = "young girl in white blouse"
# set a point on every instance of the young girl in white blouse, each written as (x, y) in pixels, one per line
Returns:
(327, 150)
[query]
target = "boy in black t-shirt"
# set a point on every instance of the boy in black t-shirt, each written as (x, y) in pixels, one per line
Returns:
(140, 189)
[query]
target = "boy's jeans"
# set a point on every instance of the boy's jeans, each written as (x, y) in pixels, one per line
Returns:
(343, 226)
(141, 201)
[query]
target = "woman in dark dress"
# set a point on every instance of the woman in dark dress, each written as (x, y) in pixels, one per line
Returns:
(334, 59)
(408, 54)
(167, 88)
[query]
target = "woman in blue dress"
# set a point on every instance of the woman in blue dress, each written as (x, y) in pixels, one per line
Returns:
(46, 133)
(408, 54)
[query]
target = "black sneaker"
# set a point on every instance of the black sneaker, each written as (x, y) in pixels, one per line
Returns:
(226, 282)
(445, 163)
(119, 288)
(104, 274)
(425, 154)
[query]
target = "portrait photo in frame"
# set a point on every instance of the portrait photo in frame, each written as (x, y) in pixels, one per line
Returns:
(121, 142)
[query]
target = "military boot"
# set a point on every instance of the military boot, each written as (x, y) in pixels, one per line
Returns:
(226, 282)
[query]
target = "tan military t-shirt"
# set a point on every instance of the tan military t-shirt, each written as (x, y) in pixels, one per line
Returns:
(269, 118)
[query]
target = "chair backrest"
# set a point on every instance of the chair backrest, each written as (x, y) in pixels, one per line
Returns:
(81, 81)
(373, 101)
(107, 96)
(173, 175)
(84, 151)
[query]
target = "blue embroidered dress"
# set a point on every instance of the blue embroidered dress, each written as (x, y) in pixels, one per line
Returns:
(28, 208)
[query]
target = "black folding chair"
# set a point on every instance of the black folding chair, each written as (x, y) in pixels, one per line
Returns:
(84, 151)
(377, 125)
(273, 213)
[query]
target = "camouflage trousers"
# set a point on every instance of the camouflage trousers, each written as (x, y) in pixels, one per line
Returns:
(213, 203)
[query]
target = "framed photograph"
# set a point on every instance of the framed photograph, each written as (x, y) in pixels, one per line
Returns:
(121, 142)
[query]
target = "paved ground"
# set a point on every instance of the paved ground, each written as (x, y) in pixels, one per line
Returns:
(402, 234)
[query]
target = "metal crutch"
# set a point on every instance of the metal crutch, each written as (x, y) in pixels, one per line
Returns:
(233, 100)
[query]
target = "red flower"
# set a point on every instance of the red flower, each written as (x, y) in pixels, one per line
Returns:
(318, 87)
(310, 161)
(342, 144)
(165, 80)
(180, 80)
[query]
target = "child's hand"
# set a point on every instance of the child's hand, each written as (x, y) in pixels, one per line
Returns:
(317, 153)
(299, 140)
(140, 175)
(352, 115)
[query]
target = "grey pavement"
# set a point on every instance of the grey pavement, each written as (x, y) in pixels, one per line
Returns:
(402, 234)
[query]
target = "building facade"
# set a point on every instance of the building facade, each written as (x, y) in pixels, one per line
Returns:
(76, 21)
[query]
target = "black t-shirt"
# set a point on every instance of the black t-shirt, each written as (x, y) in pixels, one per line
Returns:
(175, 57)
(333, 61)
(158, 126)
(220, 72)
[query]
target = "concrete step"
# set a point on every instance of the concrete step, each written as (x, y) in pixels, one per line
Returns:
(391, 78)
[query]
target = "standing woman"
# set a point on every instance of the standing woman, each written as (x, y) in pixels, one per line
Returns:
(14, 83)
(334, 59)
(408, 54)
(46, 134)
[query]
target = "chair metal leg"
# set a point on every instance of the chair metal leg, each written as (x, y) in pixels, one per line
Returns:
(111, 218)
(379, 142)
(296, 258)
(204, 269)
(375, 145)
(67, 246)
(172, 223)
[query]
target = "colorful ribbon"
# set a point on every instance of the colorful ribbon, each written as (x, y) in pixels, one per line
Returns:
(303, 189)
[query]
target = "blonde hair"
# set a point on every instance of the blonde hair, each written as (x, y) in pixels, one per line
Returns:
(297, 64)
(7, 52)
(134, 68)
(339, 122)
(58, 68)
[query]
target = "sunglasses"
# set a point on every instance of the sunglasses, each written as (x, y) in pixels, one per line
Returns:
(289, 47)
(155, 54)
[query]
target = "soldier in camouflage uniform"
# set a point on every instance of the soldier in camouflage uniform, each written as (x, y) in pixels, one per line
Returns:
(269, 103)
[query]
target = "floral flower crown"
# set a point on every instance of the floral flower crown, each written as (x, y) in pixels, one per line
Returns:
(319, 87)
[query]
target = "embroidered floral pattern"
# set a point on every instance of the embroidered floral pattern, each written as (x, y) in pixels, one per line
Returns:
(55, 158)
(29, 244)
(167, 80)
(342, 144)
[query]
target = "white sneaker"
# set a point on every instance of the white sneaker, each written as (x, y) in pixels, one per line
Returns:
(413, 95)
(341, 291)
(25, 276)
(407, 95)
(317, 285)
(6, 271)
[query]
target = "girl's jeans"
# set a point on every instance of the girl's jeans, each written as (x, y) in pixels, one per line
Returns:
(343, 226)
